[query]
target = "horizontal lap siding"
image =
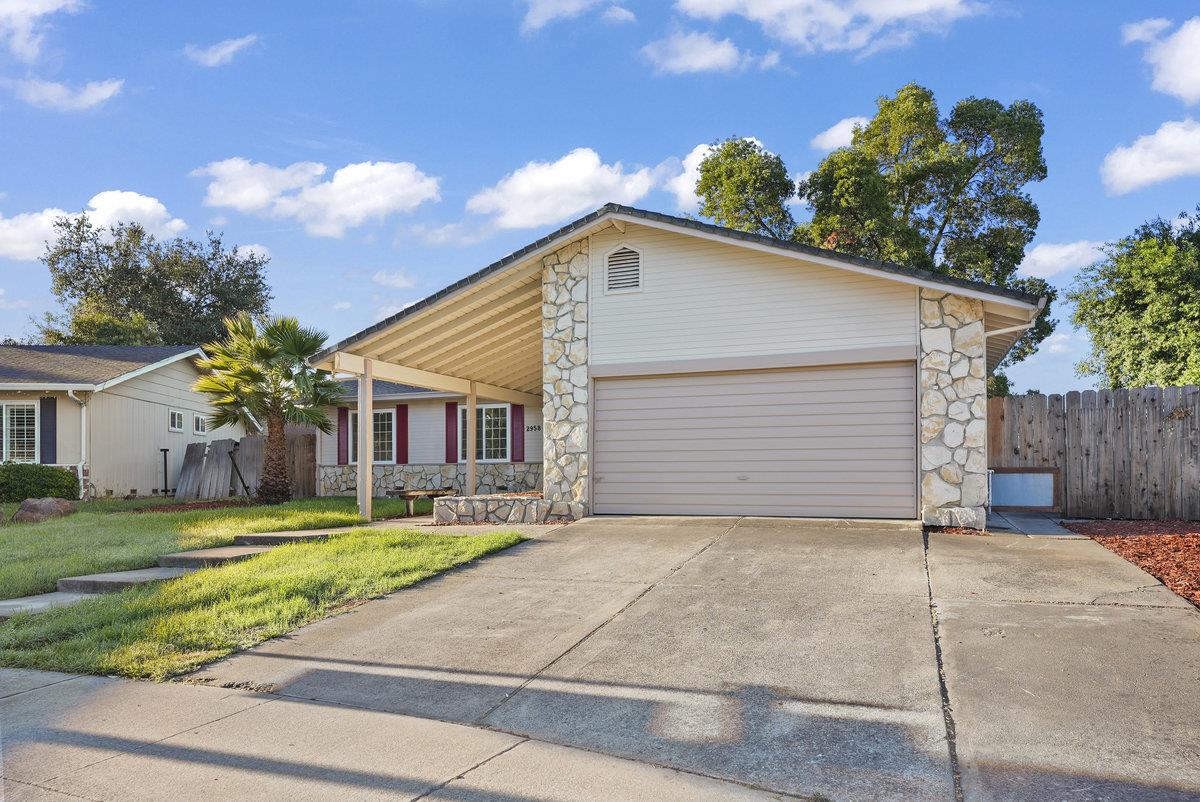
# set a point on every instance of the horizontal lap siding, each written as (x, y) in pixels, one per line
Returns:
(820, 442)
(704, 299)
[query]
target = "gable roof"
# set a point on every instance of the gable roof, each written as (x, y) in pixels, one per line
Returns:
(380, 388)
(708, 230)
(42, 366)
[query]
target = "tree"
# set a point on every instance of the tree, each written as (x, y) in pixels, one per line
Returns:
(744, 186)
(120, 286)
(1141, 306)
(258, 376)
(946, 195)
(999, 385)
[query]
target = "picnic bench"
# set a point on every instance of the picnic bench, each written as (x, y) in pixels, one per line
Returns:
(410, 496)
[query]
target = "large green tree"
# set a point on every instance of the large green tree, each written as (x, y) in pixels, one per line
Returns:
(1141, 306)
(119, 285)
(942, 194)
(257, 376)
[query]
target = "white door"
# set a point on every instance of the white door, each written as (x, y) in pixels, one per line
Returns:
(837, 442)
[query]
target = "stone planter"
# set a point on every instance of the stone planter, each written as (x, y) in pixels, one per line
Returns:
(504, 508)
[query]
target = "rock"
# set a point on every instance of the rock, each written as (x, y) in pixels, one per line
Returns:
(937, 339)
(969, 339)
(931, 428)
(960, 367)
(34, 510)
(938, 493)
(959, 411)
(931, 314)
(934, 455)
(962, 308)
(975, 434)
(974, 490)
(951, 473)
(936, 360)
(975, 462)
(953, 434)
(932, 403)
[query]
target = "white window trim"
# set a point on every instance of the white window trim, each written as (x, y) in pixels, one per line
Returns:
(37, 431)
(353, 439)
(171, 413)
(198, 418)
(462, 411)
(641, 269)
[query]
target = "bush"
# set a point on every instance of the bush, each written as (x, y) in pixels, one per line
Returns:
(20, 481)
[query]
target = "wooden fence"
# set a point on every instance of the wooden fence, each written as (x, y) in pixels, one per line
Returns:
(1118, 453)
(208, 471)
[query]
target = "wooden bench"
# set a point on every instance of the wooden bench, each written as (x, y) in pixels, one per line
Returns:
(410, 496)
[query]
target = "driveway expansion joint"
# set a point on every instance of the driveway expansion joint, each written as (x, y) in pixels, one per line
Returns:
(464, 773)
(943, 688)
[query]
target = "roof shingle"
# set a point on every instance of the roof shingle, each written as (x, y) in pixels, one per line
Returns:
(78, 364)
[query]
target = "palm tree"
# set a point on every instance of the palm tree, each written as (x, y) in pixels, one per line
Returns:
(258, 375)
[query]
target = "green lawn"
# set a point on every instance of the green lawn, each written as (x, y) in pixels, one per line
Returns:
(101, 537)
(162, 630)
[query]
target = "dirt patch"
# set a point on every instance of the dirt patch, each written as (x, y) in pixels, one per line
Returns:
(1167, 550)
(957, 530)
(185, 506)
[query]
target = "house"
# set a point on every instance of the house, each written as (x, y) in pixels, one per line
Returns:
(687, 368)
(418, 441)
(104, 412)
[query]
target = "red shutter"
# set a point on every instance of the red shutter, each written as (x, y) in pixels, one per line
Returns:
(516, 437)
(401, 434)
(343, 435)
(451, 431)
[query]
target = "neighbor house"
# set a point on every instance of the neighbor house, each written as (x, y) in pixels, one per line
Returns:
(104, 412)
(686, 368)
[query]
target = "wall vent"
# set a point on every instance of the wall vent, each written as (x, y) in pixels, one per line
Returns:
(624, 271)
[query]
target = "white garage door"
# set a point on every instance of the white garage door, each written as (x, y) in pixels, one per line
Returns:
(817, 442)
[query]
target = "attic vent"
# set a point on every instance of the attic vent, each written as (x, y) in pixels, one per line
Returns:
(624, 270)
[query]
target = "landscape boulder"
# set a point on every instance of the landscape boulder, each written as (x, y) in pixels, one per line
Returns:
(33, 510)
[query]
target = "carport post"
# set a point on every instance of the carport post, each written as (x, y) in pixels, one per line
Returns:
(366, 427)
(471, 444)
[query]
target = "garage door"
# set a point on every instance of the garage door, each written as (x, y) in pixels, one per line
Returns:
(818, 442)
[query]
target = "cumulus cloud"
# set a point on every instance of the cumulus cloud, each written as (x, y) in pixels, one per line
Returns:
(23, 24)
(838, 135)
(1062, 343)
(546, 192)
(353, 196)
(23, 237)
(829, 25)
(6, 303)
(256, 249)
(221, 53)
(1050, 258)
(538, 13)
(618, 14)
(1170, 152)
(397, 279)
(1174, 60)
(61, 97)
(683, 184)
(693, 52)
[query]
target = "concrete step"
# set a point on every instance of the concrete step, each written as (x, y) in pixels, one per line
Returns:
(278, 538)
(40, 603)
(117, 580)
(205, 557)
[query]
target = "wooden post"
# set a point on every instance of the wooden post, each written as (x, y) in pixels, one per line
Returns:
(471, 444)
(366, 426)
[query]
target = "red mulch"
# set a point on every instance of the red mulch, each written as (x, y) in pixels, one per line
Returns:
(1168, 550)
(185, 506)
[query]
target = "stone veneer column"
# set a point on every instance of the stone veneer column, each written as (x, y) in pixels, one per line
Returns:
(565, 374)
(953, 411)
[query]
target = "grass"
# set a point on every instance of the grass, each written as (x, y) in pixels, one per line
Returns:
(102, 537)
(163, 630)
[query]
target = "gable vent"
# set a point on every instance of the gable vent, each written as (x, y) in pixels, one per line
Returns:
(624, 270)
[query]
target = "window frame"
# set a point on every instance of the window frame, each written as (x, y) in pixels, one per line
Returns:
(508, 432)
(641, 252)
(5, 450)
(201, 421)
(171, 413)
(352, 436)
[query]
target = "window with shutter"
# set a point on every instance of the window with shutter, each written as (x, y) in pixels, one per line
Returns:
(623, 272)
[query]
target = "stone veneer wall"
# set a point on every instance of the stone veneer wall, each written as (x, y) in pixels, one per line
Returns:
(953, 402)
(565, 374)
(491, 477)
(503, 509)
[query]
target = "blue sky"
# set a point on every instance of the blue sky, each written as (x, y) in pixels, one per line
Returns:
(381, 150)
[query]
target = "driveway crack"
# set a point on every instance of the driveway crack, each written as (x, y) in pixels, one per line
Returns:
(467, 771)
(947, 710)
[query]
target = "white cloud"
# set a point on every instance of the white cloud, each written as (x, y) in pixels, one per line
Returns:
(60, 97)
(23, 237)
(458, 234)
(220, 53)
(354, 195)
(22, 24)
(1051, 258)
(770, 60)
(396, 278)
(827, 25)
(256, 249)
(683, 185)
(5, 303)
(546, 192)
(839, 134)
(342, 306)
(682, 53)
(538, 13)
(1062, 343)
(1174, 60)
(618, 14)
(387, 310)
(1171, 151)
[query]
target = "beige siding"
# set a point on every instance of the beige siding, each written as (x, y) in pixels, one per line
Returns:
(698, 297)
(127, 425)
(67, 414)
(819, 442)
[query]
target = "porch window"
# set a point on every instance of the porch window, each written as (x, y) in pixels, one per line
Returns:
(491, 432)
(383, 436)
(18, 432)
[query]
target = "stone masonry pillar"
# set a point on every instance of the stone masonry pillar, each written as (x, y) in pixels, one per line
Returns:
(565, 375)
(953, 399)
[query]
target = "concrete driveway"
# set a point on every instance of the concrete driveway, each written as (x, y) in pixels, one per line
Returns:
(675, 658)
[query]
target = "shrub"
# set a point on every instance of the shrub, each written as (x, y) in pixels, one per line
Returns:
(20, 481)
